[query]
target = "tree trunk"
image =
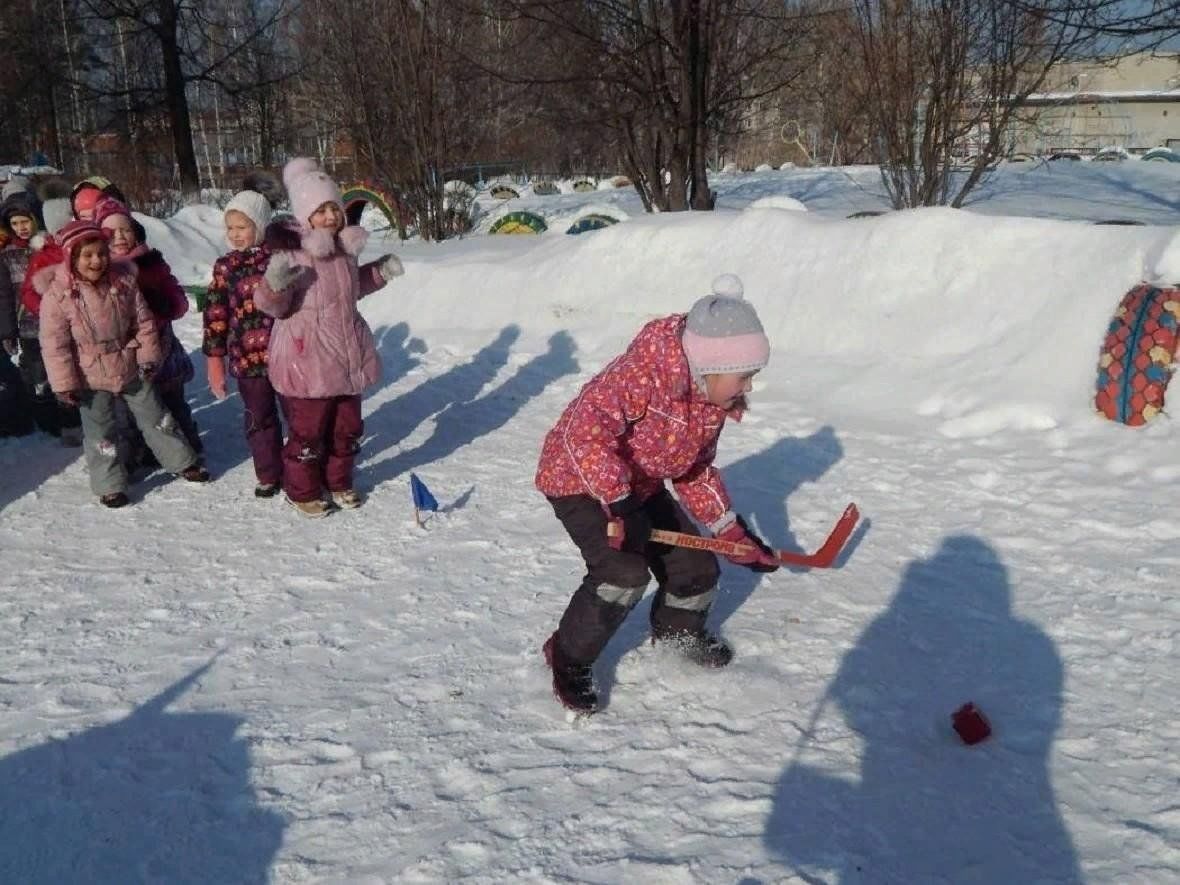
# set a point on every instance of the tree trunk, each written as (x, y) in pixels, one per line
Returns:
(177, 103)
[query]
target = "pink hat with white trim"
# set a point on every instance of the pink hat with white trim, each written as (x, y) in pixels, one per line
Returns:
(723, 334)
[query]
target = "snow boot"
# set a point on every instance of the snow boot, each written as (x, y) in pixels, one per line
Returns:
(573, 684)
(196, 473)
(703, 649)
(114, 500)
(348, 499)
(316, 509)
(266, 490)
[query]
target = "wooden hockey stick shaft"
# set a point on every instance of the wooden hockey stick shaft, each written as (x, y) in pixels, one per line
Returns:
(824, 557)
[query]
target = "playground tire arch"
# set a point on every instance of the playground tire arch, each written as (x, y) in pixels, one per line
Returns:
(357, 196)
(519, 222)
(1135, 363)
(593, 221)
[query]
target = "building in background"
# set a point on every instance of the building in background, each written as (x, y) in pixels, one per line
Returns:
(1132, 103)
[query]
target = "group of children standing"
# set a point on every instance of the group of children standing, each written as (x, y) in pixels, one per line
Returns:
(281, 319)
(93, 334)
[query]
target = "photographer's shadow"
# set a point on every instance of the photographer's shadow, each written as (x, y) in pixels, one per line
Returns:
(157, 796)
(925, 807)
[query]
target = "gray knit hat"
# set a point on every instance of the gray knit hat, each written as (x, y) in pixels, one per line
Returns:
(57, 213)
(723, 334)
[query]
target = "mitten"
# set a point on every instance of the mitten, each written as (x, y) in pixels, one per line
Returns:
(628, 526)
(69, 398)
(390, 267)
(759, 557)
(281, 273)
(215, 369)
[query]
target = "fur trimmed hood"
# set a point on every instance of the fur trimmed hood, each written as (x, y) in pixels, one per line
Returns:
(284, 236)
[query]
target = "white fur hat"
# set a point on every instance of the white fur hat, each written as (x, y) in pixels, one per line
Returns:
(255, 207)
(309, 187)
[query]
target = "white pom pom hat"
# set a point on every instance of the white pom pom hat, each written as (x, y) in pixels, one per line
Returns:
(723, 334)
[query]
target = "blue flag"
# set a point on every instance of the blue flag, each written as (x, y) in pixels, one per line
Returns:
(423, 500)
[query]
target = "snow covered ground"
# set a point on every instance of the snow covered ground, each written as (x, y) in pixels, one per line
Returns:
(207, 688)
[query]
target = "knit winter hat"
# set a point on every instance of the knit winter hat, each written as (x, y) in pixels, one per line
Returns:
(722, 333)
(255, 207)
(20, 202)
(85, 199)
(105, 207)
(56, 213)
(74, 234)
(309, 187)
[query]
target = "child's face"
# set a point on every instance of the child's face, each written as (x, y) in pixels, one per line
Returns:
(23, 226)
(121, 233)
(727, 391)
(329, 217)
(240, 231)
(92, 260)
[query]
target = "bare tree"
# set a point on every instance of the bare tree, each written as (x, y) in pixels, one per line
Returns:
(178, 44)
(664, 76)
(941, 74)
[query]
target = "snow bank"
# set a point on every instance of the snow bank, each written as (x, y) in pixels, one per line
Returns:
(976, 322)
(979, 322)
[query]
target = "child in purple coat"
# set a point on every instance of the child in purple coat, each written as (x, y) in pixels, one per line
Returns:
(321, 354)
(237, 331)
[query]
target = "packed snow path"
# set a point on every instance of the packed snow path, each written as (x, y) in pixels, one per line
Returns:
(204, 687)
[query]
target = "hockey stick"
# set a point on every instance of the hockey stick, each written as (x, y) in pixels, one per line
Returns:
(824, 557)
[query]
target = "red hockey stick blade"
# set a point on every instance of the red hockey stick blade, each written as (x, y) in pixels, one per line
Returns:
(826, 555)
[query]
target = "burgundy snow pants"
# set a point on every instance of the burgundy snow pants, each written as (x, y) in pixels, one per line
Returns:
(686, 580)
(323, 437)
(264, 433)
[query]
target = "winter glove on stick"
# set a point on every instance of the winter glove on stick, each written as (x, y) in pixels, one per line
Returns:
(69, 398)
(215, 369)
(281, 274)
(628, 526)
(390, 267)
(760, 558)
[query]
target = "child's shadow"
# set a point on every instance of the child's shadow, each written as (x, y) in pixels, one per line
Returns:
(760, 486)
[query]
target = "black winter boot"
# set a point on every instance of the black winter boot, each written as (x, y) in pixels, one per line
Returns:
(701, 648)
(573, 684)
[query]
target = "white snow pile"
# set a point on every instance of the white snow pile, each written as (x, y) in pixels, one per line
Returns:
(790, 204)
(981, 323)
(205, 687)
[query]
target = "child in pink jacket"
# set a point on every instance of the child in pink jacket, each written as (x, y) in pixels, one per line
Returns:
(321, 354)
(652, 416)
(100, 344)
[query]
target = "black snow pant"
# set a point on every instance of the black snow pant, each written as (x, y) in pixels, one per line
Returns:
(686, 580)
(51, 416)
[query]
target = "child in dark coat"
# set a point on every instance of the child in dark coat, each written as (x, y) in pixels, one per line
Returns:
(237, 331)
(652, 416)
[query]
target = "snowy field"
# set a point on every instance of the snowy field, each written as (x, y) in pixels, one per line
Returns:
(207, 688)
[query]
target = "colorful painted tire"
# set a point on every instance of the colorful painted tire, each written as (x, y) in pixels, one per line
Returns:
(519, 223)
(1135, 363)
(593, 221)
